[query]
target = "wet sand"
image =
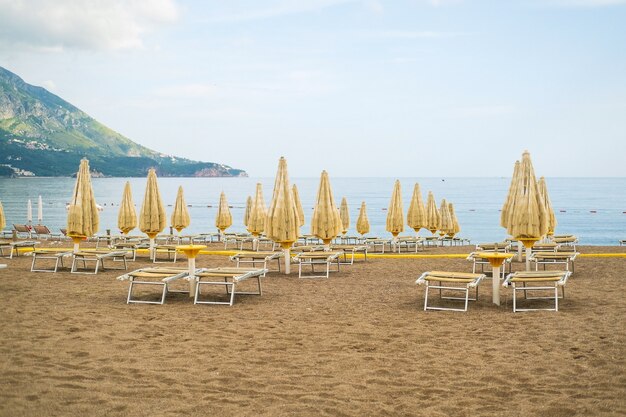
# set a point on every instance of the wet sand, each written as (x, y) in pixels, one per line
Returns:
(357, 344)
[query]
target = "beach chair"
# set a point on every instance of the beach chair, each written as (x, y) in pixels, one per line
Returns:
(311, 259)
(22, 230)
(411, 243)
(350, 250)
(547, 280)
(238, 241)
(169, 251)
(545, 247)
(96, 257)
(450, 281)
(57, 257)
(255, 258)
(231, 278)
(374, 243)
(431, 240)
(15, 247)
(622, 242)
(154, 277)
(494, 247)
(43, 232)
(554, 258)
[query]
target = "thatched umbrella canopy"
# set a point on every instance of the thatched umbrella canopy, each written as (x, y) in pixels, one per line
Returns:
(543, 190)
(298, 203)
(281, 222)
(455, 221)
(529, 219)
(223, 219)
(3, 220)
(180, 216)
(246, 214)
(446, 225)
(127, 216)
(326, 220)
(344, 214)
(505, 213)
(395, 212)
(258, 212)
(82, 217)
(433, 218)
(416, 216)
(152, 217)
(363, 223)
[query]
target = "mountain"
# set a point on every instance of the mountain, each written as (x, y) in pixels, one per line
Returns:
(43, 135)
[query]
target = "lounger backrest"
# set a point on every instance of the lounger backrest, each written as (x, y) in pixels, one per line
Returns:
(22, 228)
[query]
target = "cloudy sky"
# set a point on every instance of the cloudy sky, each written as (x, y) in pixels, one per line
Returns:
(357, 87)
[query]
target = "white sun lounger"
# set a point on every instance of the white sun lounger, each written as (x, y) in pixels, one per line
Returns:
(317, 258)
(554, 258)
(255, 258)
(460, 281)
(547, 280)
(229, 279)
(350, 250)
(98, 258)
(14, 247)
(57, 257)
(155, 276)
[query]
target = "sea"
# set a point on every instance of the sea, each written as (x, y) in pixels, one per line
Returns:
(594, 209)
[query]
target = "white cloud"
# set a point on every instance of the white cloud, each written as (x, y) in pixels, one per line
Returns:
(234, 11)
(49, 85)
(52, 25)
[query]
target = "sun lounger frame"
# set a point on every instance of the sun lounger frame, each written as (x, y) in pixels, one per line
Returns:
(350, 250)
(14, 247)
(57, 256)
(557, 278)
(231, 277)
(470, 280)
(98, 258)
(167, 275)
(554, 258)
(255, 258)
(317, 258)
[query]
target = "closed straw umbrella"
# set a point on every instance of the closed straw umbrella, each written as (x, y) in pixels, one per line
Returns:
(39, 210)
(246, 214)
(543, 190)
(455, 221)
(29, 212)
(416, 216)
(3, 220)
(298, 203)
(433, 218)
(326, 220)
(395, 212)
(258, 212)
(506, 207)
(281, 222)
(82, 217)
(152, 217)
(446, 225)
(344, 214)
(529, 219)
(127, 216)
(180, 216)
(223, 219)
(363, 223)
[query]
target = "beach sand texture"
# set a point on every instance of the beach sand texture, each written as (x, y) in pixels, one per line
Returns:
(358, 344)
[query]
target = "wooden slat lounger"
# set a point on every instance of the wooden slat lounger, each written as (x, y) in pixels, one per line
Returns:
(155, 276)
(554, 258)
(555, 278)
(459, 281)
(98, 258)
(317, 258)
(44, 254)
(255, 258)
(14, 247)
(231, 277)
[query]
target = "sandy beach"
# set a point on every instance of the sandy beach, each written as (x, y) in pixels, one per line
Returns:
(357, 344)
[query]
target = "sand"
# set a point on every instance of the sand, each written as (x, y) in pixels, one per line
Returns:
(358, 344)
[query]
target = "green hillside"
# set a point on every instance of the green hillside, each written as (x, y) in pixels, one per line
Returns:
(43, 135)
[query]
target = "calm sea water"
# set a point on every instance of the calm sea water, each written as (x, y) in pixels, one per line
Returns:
(592, 208)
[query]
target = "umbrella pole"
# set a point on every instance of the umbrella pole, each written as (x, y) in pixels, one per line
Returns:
(287, 261)
(519, 251)
(192, 276)
(528, 253)
(152, 249)
(496, 285)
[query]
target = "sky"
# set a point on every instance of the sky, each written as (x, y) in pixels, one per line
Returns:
(360, 88)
